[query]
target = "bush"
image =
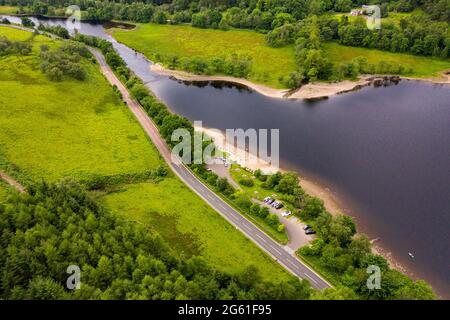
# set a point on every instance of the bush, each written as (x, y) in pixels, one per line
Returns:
(248, 182)
(64, 61)
(14, 47)
(264, 212)
(26, 22)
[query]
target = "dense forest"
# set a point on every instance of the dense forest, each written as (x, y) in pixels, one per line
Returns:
(55, 226)
(262, 14)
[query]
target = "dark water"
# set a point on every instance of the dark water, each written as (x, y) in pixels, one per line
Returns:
(384, 151)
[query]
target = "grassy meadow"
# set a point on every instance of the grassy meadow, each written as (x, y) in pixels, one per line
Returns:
(8, 9)
(268, 64)
(77, 129)
(422, 67)
(190, 225)
(71, 128)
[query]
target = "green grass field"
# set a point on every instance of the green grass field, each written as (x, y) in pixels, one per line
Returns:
(190, 226)
(186, 41)
(423, 67)
(69, 128)
(55, 129)
(8, 9)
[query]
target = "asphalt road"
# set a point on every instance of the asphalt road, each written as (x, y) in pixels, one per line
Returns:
(277, 251)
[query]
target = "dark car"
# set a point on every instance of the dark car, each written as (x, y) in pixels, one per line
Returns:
(310, 231)
(279, 206)
(270, 201)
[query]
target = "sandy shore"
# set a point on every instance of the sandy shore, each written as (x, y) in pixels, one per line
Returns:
(332, 203)
(309, 91)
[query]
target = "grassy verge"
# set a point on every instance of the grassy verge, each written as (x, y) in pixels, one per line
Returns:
(78, 129)
(314, 263)
(268, 64)
(422, 67)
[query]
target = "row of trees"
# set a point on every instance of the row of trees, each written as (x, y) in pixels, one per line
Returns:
(417, 35)
(55, 226)
(259, 15)
(413, 35)
(237, 65)
(58, 30)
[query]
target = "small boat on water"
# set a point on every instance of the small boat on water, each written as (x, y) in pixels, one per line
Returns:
(411, 255)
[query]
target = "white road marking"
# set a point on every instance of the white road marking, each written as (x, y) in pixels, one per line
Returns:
(263, 240)
(310, 278)
(275, 249)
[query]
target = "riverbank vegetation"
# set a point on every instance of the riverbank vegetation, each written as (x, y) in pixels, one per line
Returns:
(238, 53)
(338, 252)
(213, 45)
(94, 139)
(245, 54)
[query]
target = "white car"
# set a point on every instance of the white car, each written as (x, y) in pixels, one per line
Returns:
(286, 213)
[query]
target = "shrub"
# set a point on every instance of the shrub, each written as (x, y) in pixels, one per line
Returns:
(248, 182)
(264, 212)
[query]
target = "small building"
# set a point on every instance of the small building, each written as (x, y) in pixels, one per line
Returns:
(356, 12)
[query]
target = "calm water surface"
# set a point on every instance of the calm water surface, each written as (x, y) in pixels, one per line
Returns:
(385, 152)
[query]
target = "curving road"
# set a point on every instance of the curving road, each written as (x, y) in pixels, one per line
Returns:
(279, 253)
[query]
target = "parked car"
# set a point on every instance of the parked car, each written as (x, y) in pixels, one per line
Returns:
(286, 213)
(310, 231)
(306, 227)
(270, 201)
(279, 205)
(275, 203)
